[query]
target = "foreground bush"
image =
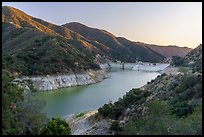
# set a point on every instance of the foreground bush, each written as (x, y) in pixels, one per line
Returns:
(56, 126)
(21, 114)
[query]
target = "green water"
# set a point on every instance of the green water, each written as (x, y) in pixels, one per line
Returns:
(72, 100)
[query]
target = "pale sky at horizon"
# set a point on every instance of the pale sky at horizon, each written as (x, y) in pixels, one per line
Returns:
(161, 23)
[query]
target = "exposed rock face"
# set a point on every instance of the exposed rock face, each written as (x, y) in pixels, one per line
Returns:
(68, 80)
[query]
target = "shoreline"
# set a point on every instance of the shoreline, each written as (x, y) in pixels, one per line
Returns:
(53, 82)
(89, 124)
(59, 81)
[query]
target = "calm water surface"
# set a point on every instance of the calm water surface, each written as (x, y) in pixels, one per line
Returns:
(72, 100)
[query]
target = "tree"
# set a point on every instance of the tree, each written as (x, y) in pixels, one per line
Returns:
(11, 95)
(115, 126)
(105, 110)
(56, 126)
(21, 113)
(178, 61)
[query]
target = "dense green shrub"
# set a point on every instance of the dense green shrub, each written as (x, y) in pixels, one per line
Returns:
(21, 114)
(56, 126)
(160, 121)
(115, 126)
(178, 61)
(11, 95)
(190, 125)
(182, 109)
(155, 122)
(105, 110)
(185, 93)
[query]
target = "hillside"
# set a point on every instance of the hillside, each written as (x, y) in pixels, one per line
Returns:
(169, 51)
(22, 20)
(167, 105)
(30, 45)
(137, 50)
(30, 48)
(192, 60)
(170, 104)
(195, 55)
(118, 48)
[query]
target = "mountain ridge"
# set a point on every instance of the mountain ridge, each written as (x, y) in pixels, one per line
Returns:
(90, 33)
(22, 33)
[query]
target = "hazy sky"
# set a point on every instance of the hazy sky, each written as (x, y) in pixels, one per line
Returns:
(175, 23)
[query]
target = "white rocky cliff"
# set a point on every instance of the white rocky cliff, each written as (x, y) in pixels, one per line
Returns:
(67, 80)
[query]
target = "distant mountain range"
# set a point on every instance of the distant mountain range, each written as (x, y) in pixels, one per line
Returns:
(106, 38)
(32, 46)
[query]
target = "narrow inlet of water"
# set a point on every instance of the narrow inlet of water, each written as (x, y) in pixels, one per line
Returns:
(72, 100)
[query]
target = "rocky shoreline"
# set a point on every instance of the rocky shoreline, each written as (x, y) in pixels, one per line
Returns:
(44, 83)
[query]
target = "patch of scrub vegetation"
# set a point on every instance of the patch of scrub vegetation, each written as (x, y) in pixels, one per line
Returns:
(60, 58)
(192, 60)
(132, 98)
(171, 104)
(184, 69)
(80, 114)
(160, 121)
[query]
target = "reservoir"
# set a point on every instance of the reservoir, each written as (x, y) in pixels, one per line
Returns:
(66, 101)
